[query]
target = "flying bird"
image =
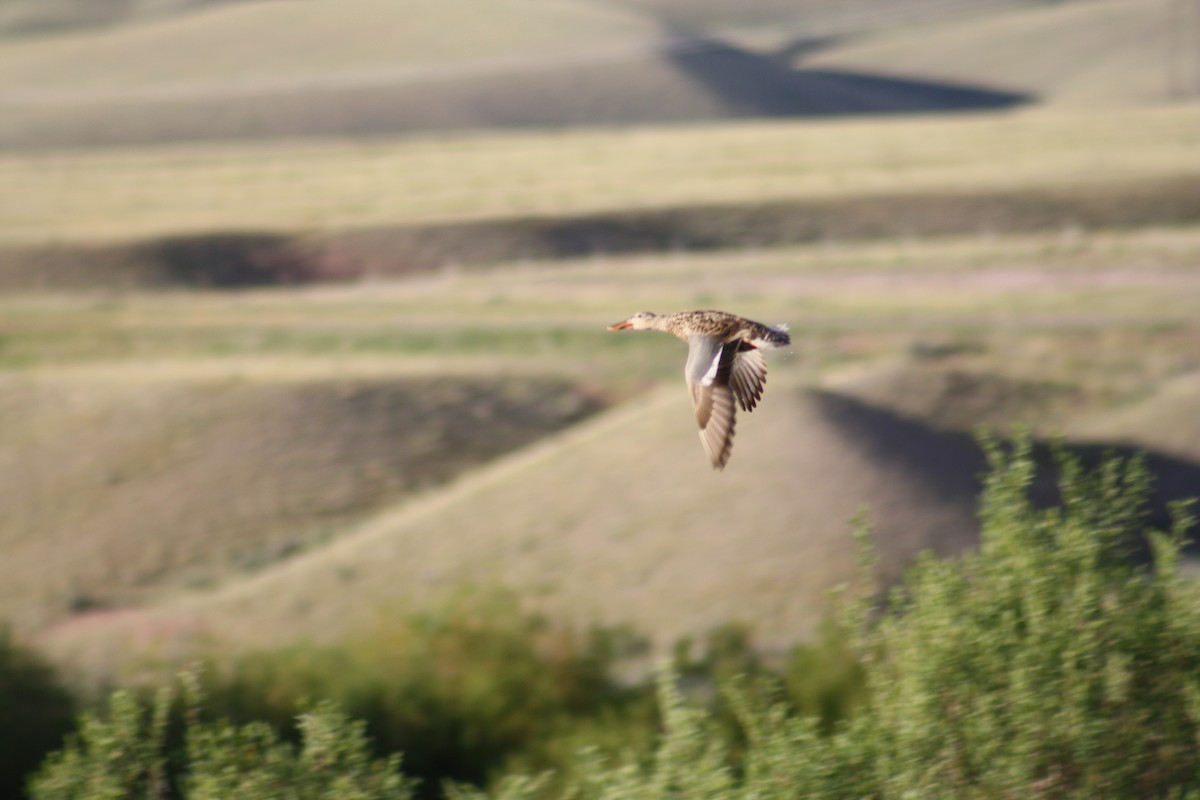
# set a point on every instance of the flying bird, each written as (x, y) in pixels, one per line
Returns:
(724, 365)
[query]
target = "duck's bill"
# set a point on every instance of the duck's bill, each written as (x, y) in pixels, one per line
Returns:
(620, 326)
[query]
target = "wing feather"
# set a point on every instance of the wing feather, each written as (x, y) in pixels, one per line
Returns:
(703, 364)
(748, 377)
(709, 369)
(717, 435)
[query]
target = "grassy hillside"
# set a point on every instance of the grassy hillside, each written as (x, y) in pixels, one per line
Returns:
(40, 17)
(1162, 421)
(940, 673)
(226, 45)
(22, 17)
(130, 195)
(241, 260)
(318, 409)
(370, 68)
(1102, 52)
(230, 70)
(587, 526)
(620, 518)
(189, 477)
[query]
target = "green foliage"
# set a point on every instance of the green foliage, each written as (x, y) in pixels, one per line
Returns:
(1048, 664)
(126, 756)
(821, 678)
(785, 756)
(461, 690)
(824, 678)
(36, 712)
(123, 756)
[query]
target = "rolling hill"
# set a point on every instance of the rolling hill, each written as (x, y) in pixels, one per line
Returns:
(589, 527)
(1100, 52)
(1165, 420)
(251, 466)
(202, 466)
(189, 475)
(670, 184)
(270, 70)
(617, 518)
(620, 520)
(29, 17)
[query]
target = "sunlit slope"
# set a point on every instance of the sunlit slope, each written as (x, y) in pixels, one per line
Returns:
(266, 69)
(236, 47)
(1166, 420)
(125, 195)
(120, 481)
(1082, 53)
(367, 67)
(18, 17)
(622, 520)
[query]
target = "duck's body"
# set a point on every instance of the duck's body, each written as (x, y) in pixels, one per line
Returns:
(724, 366)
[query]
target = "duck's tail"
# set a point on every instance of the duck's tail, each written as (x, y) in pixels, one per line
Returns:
(771, 336)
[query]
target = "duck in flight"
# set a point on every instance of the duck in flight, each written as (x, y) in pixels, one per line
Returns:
(724, 366)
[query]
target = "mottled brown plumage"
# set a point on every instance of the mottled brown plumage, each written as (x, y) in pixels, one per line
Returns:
(724, 366)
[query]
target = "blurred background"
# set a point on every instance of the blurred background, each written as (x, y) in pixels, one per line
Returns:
(303, 308)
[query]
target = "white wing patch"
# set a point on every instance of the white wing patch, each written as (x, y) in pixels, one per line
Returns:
(709, 370)
(717, 433)
(711, 375)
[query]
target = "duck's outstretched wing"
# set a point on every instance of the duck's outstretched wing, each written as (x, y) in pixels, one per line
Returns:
(747, 376)
(709, 369)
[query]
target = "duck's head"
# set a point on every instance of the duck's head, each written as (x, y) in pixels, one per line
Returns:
(641, 321)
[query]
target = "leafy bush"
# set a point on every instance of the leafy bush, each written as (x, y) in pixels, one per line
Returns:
(1048, 664)
(477, 687)
(461, 690)
(824, 678)
(36, 712)
(127, 756)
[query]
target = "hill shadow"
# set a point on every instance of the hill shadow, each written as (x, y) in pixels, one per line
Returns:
(233, 259)
(229, 260)
(952, 465)
(750, 84)
(686, 77)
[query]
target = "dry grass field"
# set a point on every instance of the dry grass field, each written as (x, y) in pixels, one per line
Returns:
(189, 478)
(227, 71)
(228, 42)
(901, 347)
(261, 388)
(1078, 54)
(24, 17)
(115, 195)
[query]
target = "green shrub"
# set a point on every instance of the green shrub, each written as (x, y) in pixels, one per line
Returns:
(477, 687)
(824, 678)
(461, 690)
(1048, 664)
(36, 712)
(125, 756)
